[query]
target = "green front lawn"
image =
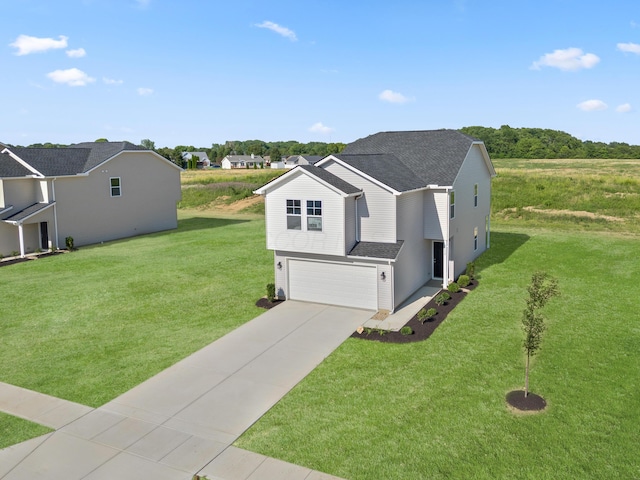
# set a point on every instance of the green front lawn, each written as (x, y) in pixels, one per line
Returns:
(15, 430)
(436, 409)
(89, 325)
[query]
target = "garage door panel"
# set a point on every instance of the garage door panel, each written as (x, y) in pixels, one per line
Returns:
(334, 284)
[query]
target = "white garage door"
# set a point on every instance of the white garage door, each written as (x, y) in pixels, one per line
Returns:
(335, 284)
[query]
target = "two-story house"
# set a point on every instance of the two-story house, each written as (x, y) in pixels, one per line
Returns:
(369, 226)
(92, 192)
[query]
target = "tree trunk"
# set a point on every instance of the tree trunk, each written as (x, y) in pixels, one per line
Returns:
(526, 378)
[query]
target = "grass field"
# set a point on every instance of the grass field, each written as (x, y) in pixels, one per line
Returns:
(89, 325)
(436, 409)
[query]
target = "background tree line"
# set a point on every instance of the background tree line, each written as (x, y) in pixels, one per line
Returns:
(504, 142)
(507, 142)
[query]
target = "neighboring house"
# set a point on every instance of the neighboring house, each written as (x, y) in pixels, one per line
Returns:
(203, 158)
(92, 192)
(369, 226)
(295, 160)
(242, 161)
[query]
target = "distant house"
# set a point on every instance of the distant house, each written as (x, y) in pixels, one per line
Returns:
(203, 158)
(295, 160)
(92, 192)
(242, 161)
(368, 227)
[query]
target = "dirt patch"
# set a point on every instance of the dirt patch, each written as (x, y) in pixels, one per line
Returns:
(568, 213)
(530, 403)
(241, 204)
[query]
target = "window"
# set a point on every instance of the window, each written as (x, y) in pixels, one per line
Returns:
(475, 238)
(314, 215)
(294, 215)
(452, 204)
(475, 195)
(116, 190)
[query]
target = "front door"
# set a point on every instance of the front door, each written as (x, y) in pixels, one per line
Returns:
(44, 236)
(438, 254)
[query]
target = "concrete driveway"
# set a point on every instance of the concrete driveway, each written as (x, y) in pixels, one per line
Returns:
(183, 420)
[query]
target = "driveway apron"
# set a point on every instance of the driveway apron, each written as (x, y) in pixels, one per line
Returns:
(183, 420)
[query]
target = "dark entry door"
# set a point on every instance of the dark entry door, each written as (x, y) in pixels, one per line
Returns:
(438, 253)
(44, 235)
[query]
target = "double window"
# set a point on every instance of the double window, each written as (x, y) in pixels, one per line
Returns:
(313, 215)
(116, 189)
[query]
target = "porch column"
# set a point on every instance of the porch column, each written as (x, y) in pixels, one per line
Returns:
(445, 265)
(21, 239)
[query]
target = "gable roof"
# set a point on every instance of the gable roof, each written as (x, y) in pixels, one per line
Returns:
(321, 174)
(71, 160)
(434, 157)
(25, 213)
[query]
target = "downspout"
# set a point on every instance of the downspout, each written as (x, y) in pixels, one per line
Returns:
(357, 219)
(445, 253)
(393, 293)
(55, 211)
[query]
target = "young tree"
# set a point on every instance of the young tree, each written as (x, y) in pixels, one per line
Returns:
(146, 143)
(542, 289)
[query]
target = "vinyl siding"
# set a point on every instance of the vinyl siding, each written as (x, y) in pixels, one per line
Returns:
(330, 241)
(473, 171)
(412, 268)
(350, 223)
(385, 287)
(436, 211)
(88, 213)
(376, 208)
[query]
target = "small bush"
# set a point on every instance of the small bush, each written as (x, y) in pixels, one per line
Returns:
(431, 312)
(442, 298)
(463, 281)
(271, 291)
(471, 270)
(423, 315)
(69, 243)
(15, 253)
(453, 287)
(406, 330)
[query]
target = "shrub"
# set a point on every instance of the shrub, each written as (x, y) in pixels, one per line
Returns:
(69, 243)
(471, 270)
(423, 315)
(453, 287)
(431, 312)
(463, 281)
(15, 253)
(406, 330)
(442, 298)
(271, 291)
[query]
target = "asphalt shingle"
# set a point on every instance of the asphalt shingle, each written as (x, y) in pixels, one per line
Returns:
(388, 251)
(331, 179)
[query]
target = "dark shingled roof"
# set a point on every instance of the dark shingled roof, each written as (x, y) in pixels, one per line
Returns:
(377, 250)
(385, 168)
(330, 178)
(433, 156)
(27, 212)
(9, 167)
(70, 160)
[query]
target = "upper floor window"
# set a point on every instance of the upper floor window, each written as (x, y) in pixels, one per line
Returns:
(452, 204)
(475, 238)
(294, 215)
(116, 189)
(475, 195)
(314, 215)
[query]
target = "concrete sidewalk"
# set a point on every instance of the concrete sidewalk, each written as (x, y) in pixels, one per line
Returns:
(183, 420)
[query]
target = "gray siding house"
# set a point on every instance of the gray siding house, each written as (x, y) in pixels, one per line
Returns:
(368, 227)
(92, 192)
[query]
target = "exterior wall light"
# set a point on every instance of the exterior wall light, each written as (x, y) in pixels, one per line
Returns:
(383, 276)
(279, 265)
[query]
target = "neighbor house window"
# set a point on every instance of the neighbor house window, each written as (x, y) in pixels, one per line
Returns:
(452, 204)
(116, 189)
(314, 215)
(475, 238)
(294, 215)
(475, 195)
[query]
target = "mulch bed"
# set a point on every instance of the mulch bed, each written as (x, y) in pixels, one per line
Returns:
(421, 331)
(530, 403)
(264, 303)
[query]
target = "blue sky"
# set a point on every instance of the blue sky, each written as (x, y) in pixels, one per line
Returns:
(196, 72)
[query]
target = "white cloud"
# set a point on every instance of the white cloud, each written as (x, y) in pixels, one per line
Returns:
(280, 30)
(592, 105)
(393, 97)
(629, 47)
(77, 53)
(570, 59)
(111, 81)
(145, 92)
(72, 77)
(624, 108)
(26, 44)
(320, 128)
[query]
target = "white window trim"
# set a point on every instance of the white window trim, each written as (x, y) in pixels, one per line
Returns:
(452, 204)
(475, 239)
(294, 207)
(475, 195)
(314, 215)
(119, 186)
